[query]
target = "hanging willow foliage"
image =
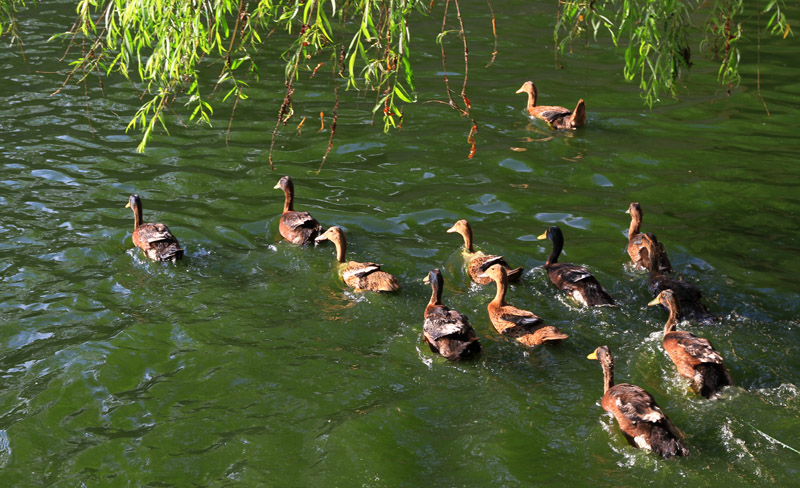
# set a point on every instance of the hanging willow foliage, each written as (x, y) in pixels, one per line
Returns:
(163, 44)
(164, 47)
(656, 35)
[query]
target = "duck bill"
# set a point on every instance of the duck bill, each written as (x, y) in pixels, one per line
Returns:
(426, 280)
(452, 229)
(320, 238)
(128, 205)
(278, 186)
(521, 89)
(654, 301)
(593, 355)
(543, 236)
(628, 211)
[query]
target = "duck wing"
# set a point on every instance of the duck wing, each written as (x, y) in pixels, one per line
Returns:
(518, 316)
(299, 227)
(368, 276)
(441, 322)
(696, 350)
(157, 242)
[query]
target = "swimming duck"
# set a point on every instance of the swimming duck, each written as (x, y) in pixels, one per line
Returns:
(635, 244)
(361, 276)
(524, 326)
(694, 356)
(557, 117)
(478, 262)
(296, 227)
(575, 280)
(446, 331)
(638, 415)
(687, 295)
(155, 240)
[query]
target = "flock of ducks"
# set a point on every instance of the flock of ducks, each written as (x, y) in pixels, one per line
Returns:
(448, 332)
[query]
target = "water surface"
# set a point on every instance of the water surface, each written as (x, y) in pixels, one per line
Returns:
(248, 363)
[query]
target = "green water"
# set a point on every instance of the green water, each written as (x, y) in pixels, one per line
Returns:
(249, 364)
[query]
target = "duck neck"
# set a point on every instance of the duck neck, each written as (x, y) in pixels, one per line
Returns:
(502, 285)
(532, 96)
(558, 245)
(341, 247)
(137, 216)
(636, 222)
(436, 293)
(672, 321)
(288, 202)
(467, 234)
(608, 375)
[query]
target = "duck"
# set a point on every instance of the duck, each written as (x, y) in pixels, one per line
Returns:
(635, 243)
(575, 280)
(687, 295)
(694, 356)
(639, 417)
(296, 227)
(524, 326)
(478, 262)
(557, 117)
(155, 240)
(447, 331)
(361, 276)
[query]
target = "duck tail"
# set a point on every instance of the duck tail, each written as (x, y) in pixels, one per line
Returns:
(578, 117)
(514, 274)
(711, 377)
(665, 443)
(596, 295)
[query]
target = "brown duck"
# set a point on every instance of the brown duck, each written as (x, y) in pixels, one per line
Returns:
(694, 356)
(478, 262)
(296, 227)
(524, 326)
(635, 244)
(447, 331)
(575, 280)
(361, 276)
(557, 117)
(638, 415)
(688, 296)
(155, 240)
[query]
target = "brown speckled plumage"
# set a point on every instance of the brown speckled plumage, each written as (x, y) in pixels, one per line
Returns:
(557, 117)
(296, 227)
(695, 357)
(688, 296)
(447, 332)
(155, 240)
(478, 262)
(636, 243)
(361, 276)
(638, 415)
(524, 326)
(577, 281)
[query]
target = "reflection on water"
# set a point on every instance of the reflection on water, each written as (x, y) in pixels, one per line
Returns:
(250, 361)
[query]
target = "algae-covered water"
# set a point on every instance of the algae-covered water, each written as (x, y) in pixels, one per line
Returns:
(249, 364)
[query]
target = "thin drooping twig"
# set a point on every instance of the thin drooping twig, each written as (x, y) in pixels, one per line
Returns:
(494, 33)
(95, 46)
(444, 57)
(287, 101)
(230, 121)
(758, 61)
(336, 73)
(466, 60)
